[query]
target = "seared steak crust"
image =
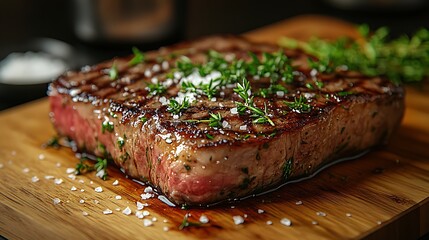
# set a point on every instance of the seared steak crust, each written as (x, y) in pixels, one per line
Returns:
(194, 163)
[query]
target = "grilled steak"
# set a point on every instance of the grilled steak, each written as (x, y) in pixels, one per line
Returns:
(222, 122)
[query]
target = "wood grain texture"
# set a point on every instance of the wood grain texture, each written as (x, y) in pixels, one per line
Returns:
(386, 192)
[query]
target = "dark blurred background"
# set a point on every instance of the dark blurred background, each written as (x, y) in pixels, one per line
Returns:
(96, 30)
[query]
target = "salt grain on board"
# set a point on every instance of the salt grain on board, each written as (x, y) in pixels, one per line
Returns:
(127, 211)
(298, 203)
(96, 201)
(286, 222)
(58, 181)
(148, 190)
(107, 211)
(139, 214)
(41, 157)
(147, 222)
(72, 176)
(85, 213)
(238, 220)
(25, 170)
(269, 222)
(204, 219)
(146, 196)
(81, 201)
(118, 197)
(260, 211)
(165, 228)
(98, 189)
(154, 219)
(140, 206)
(70, 170)
(115, 183)
(146, 213)
(321, 214)
(35, 179)
(314, 223)
(56, 201)
(58, 164)
(73, 188)
(348, 215)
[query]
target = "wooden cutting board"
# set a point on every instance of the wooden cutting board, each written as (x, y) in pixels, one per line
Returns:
(382, 195)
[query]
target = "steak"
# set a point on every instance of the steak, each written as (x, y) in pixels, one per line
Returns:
(221, 117)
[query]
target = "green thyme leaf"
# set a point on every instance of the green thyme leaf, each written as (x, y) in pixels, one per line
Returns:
(138, 57)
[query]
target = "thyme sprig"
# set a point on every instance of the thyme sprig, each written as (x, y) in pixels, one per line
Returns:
(186, 223)
(138, 57)
(402, 60)
(215, 120)
(299, 105)
(100, 167)
(244, 91)
(113, 71)
(175, 107)
(156, 88)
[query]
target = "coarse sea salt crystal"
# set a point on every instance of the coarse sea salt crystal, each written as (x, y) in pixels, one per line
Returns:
(204, 219)
(260, 211)
(140, 206)
(322, 214)
(98, 189)
(25, 170)
(56, 201)
(70, 170)
(154, 219)
(269, 222)
(35, 179)
(115, 183)
(286, 222)
(118, 197)
(41, 156)
(85, 213)
(139, 214)
(165, 228)
(148, 189)
(243, 127)
(72, 176)
(238, 220)
(73, 188)
(314, 222)
(146, 196)
(234, 110)
(48, 177)
(107, 211)
(298, 203)
(147, 222)
(96, 201)
(146, 213)
(58, 181)
(348, 214)
(127, 211)
(58, 164)
(81, 201)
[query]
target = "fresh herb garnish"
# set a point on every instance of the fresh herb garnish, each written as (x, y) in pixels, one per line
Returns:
(209, 136)
(156, 88)
(402, 60)
(121, 142)
(107, 126)
(260, 116)
(143, 119)
(53, 142)
(100, 167)
(175, 107)
(215, 120)
(138, 57)
(113, 71)
(186, 223)
(299, 105)
(272, 89)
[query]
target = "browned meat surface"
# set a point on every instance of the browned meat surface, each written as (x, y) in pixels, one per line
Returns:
(194, 163)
